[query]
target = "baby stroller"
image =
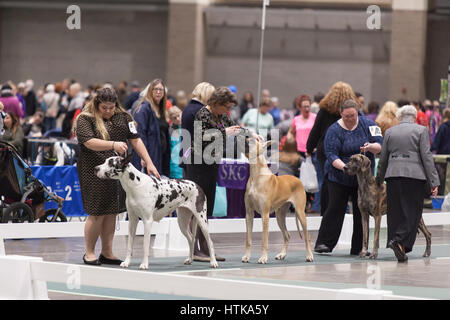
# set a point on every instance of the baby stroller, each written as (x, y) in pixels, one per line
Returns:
(21, 192)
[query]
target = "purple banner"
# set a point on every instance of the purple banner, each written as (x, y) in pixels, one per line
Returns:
(233, 174)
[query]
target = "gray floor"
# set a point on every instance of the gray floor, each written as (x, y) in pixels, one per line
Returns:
(419, 277)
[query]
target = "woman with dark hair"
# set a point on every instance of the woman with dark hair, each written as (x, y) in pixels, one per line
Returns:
(102, 129)
(215, 126)
(352, 134)
(153, 127)
(13, 131)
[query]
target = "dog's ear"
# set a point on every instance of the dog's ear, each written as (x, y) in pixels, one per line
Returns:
(126, 160)
(365, 162)
(267, 144)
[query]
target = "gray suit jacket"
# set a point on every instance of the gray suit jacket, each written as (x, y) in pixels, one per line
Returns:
(406, 153)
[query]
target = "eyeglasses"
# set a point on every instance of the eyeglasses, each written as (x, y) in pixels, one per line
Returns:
(158, 89)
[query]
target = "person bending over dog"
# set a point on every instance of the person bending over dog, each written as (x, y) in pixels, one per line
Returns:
(350, 135)
(103, 129)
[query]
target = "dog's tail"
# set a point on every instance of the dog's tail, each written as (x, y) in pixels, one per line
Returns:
(298, 226)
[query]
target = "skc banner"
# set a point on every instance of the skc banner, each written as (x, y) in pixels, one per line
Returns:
(64, 182)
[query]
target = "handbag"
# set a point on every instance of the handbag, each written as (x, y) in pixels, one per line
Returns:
(308, 176)
(220, 203)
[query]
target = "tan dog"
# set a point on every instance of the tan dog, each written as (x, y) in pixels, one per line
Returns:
(372, 201)
(266, 193)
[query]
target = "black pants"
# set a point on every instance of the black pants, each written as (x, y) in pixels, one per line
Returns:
(404, 209)
(205, 175)
(333, 218)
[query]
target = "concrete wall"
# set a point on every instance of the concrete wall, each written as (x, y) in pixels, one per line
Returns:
(111, 46)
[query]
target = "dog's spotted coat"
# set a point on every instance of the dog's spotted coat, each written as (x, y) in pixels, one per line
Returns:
(151, 199)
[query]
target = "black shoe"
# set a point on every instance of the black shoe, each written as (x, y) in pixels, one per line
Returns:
(321, 248)
(398, 251)
(92, 262)
(105, 260)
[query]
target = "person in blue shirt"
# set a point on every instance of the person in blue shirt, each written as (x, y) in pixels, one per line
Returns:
(351, 134)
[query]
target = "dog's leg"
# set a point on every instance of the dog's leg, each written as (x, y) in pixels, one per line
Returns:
(265, 236)
(376, 238)
(184, 217)
(300, 212)
(147, 233)
(204, 228)
(365, 235)
(427, 235)
(132, 224)
(281, 220)
(249, 217)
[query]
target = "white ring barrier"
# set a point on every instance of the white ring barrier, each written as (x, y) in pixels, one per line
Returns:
(26, 278)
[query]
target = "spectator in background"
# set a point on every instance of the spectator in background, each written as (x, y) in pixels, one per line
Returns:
(134, 95)
(200, 96)
(300, 128)
(372, 110)
(176, 172)
(387, 116)
(235, 111)
(31, 103)
(50, 103)
(246, 103)
(122, 92)
(361, 101)
(441, 143)
(275, 110)
(421, 116)
(2, 117)
(34, 126)
(259, 119)
(315, 104)
(181, 100)
(77, 97)
(13, 131)
(434, 118)
(10, 102)
(20, 94)
(153, 127)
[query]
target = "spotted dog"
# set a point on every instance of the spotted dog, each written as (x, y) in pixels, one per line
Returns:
(372, 201)
(151, 199)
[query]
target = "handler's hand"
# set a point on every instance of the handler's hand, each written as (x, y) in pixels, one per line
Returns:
(151, 169)
(233, 130)
(120, 147)
(434, 191)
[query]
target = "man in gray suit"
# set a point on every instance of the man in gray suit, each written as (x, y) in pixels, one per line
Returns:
(407, 165)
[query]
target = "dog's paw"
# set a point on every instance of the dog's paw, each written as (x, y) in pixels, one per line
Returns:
(246, 259)
(188, 261)
(214, 264)
(262, 260)
(143, 266)
(125, 264)
(280, 256)
(309, 258)
(374, 255)
(362, 254)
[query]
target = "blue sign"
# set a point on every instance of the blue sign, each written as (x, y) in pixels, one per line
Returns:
(65, 183)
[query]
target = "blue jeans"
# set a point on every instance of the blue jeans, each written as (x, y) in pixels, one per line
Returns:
(315, 206)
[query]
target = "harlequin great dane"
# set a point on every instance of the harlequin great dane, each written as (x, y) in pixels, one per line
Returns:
(372, 201)
(151, 199)
(265, 193)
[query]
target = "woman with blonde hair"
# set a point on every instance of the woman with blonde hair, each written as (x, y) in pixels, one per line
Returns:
(102, 129)
(386, 118)
(153, 127)
(329, 112)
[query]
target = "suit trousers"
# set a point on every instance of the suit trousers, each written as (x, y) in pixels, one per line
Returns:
(404, 209)
(205, 175)
(333, 217)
